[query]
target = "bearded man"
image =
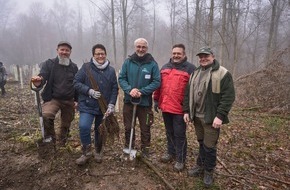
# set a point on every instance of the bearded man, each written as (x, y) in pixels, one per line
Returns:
(57, 76)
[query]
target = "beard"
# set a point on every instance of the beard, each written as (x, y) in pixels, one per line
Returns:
(63, 61)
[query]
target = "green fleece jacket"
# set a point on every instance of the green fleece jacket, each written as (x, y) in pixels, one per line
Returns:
(142, 73)
(219, 98)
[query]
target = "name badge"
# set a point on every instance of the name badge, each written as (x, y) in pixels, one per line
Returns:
(147, 76)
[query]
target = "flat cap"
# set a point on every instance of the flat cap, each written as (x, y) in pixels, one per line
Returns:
(64, 43)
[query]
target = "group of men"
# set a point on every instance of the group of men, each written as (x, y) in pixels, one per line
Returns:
(184, 93)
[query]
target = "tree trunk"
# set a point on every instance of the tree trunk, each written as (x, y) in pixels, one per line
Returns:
(125, 27)
(114, 31)
(271, 31)
(210, 24)
(223, 33)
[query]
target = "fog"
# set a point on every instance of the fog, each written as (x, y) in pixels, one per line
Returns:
(243, 35)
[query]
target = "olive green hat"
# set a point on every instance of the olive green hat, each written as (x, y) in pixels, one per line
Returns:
(205, 50)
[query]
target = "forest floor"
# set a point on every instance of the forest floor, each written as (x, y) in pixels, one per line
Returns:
(253, 152)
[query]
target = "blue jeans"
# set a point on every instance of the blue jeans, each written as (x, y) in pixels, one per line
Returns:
(85, 124)
(176, 135)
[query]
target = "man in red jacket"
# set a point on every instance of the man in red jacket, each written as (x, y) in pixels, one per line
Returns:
(169, 97)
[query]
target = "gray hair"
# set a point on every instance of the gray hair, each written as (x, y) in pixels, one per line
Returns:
(141, 39)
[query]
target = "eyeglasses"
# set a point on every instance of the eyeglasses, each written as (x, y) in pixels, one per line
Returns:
(99, 54)
(141, 47)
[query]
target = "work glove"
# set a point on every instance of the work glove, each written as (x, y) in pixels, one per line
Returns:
(111, 109)
(94, 94)
(156, 106)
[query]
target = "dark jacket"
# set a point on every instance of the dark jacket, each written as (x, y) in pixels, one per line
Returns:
(219, 98)
(141, 73)
(174, 78)
(3, 74)
(107, 83)
(58, 80)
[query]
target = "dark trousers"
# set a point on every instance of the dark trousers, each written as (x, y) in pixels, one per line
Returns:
(2, 87)
(176, 135)
(207, 137)
(145, 118)
(49, 111)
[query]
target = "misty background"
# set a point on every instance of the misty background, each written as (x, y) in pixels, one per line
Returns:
(243, 34)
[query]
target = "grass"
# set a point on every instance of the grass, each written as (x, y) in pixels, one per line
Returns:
(274, 124)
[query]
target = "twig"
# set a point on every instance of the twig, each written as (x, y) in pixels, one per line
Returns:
(238, 181)
(104, 175)
(221, 162)
(270, 178)
(4, 122)
(236, 176)
(252, 108)
(151, 166)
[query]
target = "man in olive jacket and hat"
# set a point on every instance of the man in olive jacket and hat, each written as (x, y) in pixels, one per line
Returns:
(208, 99)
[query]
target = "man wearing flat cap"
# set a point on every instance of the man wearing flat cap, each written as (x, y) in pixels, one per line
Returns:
(57, 76)
(208, 99)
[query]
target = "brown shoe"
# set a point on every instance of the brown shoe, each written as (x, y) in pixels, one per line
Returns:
(85, 156)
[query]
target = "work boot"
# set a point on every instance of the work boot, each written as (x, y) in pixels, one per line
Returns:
(145, 152)
(85, 156)
(166, 158)
(208, 178)
(196, 171)
(178, 166)
(98, 157)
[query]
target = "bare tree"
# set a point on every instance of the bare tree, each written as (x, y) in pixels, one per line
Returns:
(126, 13)
(113, 31)
(63, 17)
(223, 32)
(6, 8)
(210, 23)
(196, 27)
(173, 5)
(154, 26)
(277, 8)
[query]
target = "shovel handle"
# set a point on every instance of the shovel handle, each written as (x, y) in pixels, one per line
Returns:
(135, 101)
(34, 88)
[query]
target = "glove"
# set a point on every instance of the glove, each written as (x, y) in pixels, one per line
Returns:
(156, 106)
(95, 94)
(111, 109)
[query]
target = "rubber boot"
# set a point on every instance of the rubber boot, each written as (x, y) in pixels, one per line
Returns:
(85, 156)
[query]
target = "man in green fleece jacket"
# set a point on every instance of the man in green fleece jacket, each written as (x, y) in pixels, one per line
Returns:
(139, 78)
(208, 99)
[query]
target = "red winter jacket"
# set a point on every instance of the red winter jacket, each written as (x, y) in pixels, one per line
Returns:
(174, 78)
